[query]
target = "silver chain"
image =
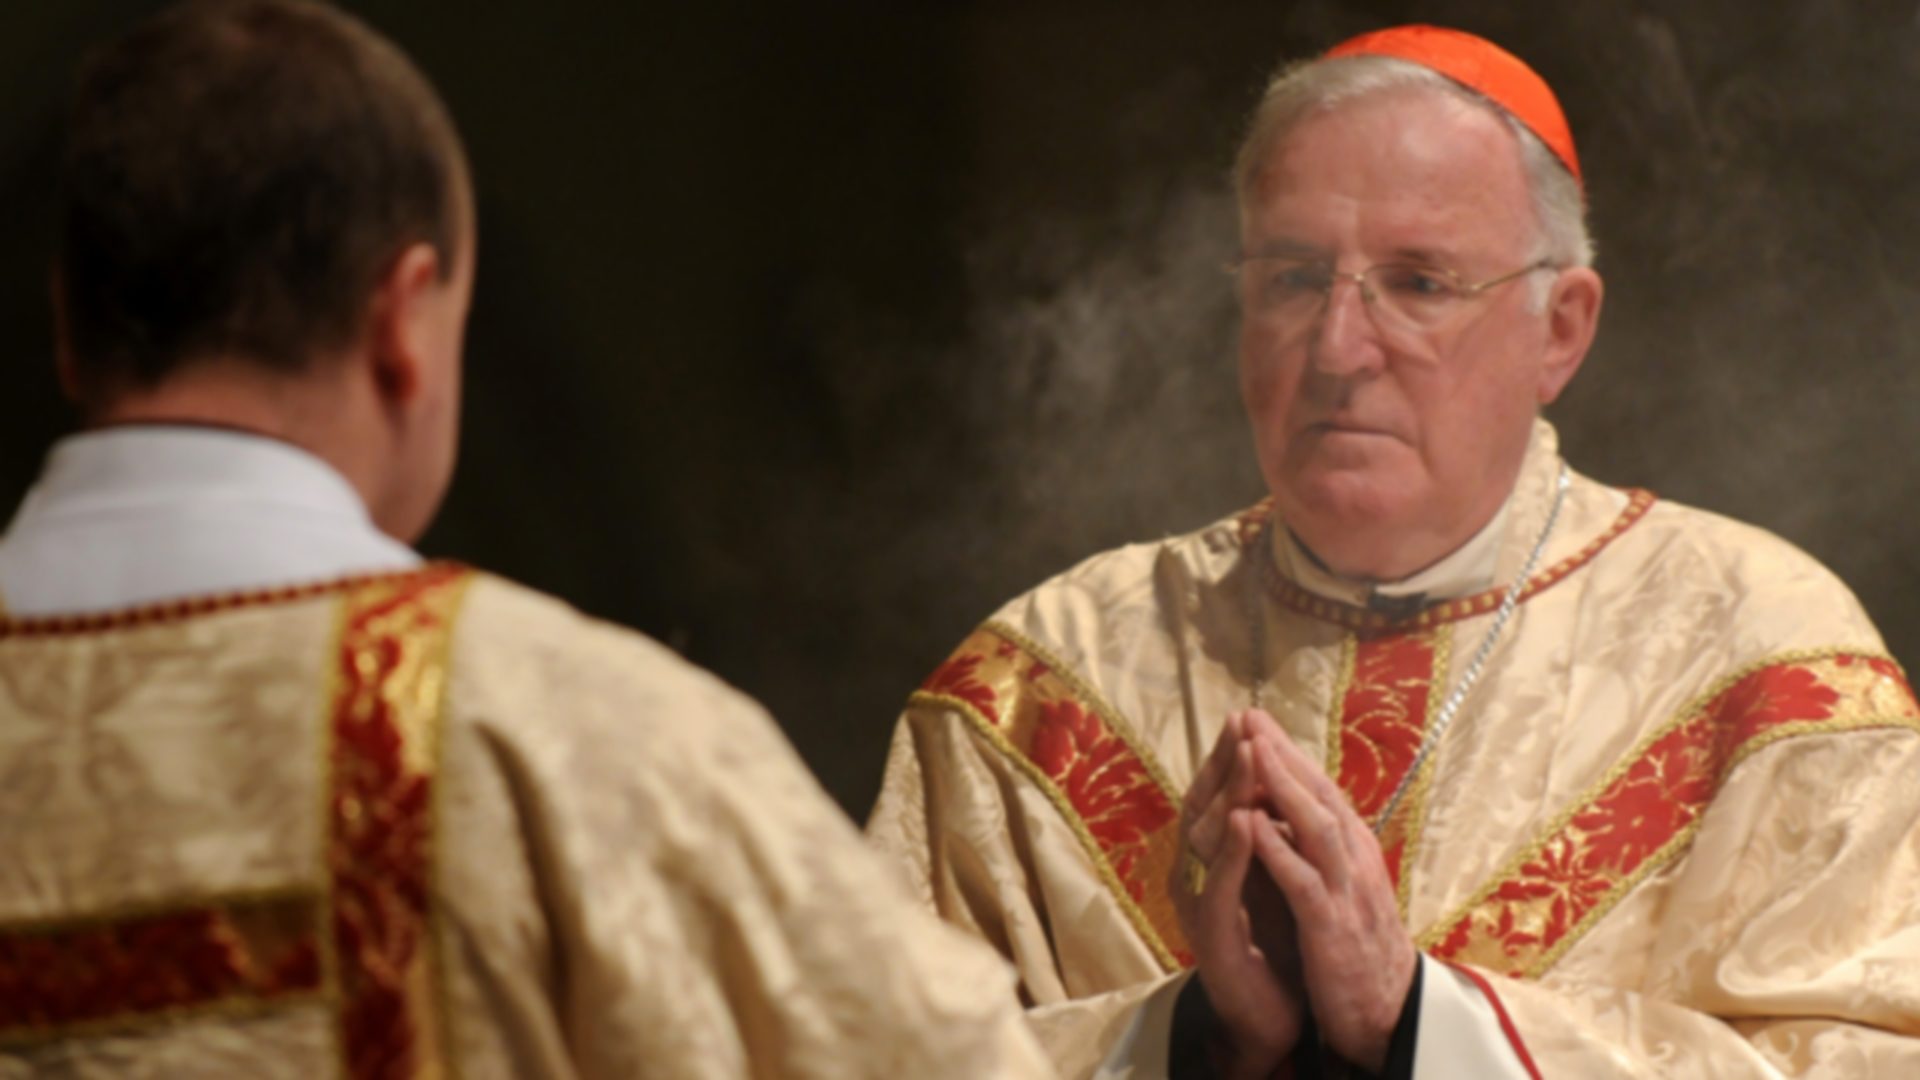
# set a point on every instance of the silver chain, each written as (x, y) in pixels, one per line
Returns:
(1442, 717)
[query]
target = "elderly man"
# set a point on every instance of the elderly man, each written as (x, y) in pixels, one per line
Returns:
(1444, 760)
(276, 798)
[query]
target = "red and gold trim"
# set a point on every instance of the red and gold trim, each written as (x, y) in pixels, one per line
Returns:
(1388, 692)
(383, 955)
(1254, 527)
(1383, 713)
(364, 941)
(237, 954)
(1082, 755)
(1644, 812)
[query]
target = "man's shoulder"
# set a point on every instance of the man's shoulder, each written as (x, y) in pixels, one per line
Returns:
(516, 644)
(1719, 564)
(1110, 619)
(1131, 583)
(1749, 554)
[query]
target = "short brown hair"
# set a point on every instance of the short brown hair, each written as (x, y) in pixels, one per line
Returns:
(238, 175)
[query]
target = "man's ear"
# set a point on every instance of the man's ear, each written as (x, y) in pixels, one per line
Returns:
(399, 323)
(1573, 315)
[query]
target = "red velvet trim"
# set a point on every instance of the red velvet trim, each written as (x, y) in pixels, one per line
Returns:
(1506, 1022)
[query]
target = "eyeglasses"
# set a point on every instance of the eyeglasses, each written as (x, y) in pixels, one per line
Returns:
(1408, 295)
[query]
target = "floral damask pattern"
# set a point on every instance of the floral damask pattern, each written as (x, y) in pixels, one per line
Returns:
(958, 677)
(1383, 715)
(1380, 715)
(1642, 816)
(1078, 749)
(1104, 781)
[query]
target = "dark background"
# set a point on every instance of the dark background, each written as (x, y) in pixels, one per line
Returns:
(806, 335)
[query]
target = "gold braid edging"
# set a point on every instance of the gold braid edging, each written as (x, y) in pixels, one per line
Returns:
(1414, 817)
(1337, 710)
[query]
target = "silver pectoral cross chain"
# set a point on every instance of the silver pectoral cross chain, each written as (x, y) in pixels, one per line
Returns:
(1450, 708)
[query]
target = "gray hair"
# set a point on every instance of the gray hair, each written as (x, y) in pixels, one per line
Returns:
(1312, 86)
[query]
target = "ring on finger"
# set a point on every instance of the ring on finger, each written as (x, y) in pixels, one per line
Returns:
(1194, 871)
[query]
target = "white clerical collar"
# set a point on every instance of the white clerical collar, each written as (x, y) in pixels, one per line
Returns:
(130, 515)
(1471, 568)
(156, 464)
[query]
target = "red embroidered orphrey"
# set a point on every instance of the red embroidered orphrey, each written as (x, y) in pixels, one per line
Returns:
(1107, 785)
(252, 952)
(100, 972)
(1645, 816)
(959, 677)
(380, 847)
(1383, 716)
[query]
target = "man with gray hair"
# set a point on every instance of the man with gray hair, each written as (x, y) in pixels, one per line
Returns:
(1443, 760)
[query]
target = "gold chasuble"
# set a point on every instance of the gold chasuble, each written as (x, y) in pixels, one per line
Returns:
(1675, 830)
(432, 824)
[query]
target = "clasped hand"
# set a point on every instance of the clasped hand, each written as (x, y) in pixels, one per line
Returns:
(1316, 923)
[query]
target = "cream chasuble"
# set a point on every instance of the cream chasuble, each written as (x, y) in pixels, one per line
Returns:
(1674, 830)
(428, 823)
(433, 823)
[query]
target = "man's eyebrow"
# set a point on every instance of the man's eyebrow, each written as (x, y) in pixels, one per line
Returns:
(1431, 256)
(1282, 248)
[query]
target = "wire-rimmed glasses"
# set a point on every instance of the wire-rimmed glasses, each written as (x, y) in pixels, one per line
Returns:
(1413, 296)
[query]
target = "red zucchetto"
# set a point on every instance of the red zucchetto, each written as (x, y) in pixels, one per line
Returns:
(1480, 65)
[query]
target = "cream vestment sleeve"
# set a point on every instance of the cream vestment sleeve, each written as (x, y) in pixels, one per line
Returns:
(711, 911)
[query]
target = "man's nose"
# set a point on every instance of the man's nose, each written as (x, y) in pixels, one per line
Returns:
(1346, 340)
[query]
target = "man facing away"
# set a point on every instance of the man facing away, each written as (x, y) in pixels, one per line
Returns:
(279, 799)
(1445, 760)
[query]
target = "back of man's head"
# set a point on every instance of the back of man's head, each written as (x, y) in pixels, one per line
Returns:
(238, 176)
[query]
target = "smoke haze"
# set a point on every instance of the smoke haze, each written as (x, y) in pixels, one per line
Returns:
(804, 339)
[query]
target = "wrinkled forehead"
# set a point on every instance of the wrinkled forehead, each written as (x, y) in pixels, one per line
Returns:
(1402, 167)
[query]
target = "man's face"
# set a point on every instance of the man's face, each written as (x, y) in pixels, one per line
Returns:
(1386, 448)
